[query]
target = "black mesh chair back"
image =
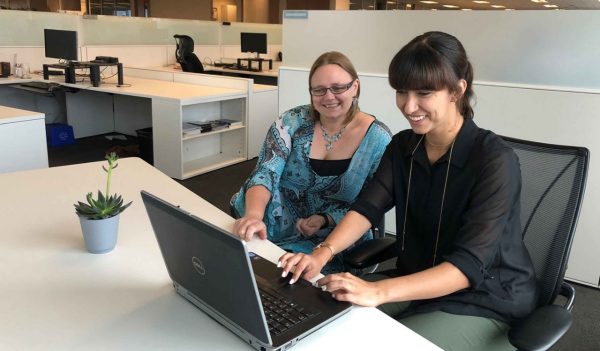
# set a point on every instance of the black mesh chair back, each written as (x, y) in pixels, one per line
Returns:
(184, 54)
(554, 180)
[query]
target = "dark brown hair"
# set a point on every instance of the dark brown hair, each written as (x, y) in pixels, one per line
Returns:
(434, 61)
(335, 58)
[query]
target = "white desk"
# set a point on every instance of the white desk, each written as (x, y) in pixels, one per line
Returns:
(56, 296)
(164, 105)
(22, 140)
(262, 99)
(210, 68)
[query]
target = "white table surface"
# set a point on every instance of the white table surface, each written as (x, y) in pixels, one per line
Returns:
(12, 115)
(140, 87)
(56, 296)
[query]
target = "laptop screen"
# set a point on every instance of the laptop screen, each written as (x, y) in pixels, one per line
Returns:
(210, 264)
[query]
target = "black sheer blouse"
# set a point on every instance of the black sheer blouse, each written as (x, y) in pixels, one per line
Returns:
(480, 230)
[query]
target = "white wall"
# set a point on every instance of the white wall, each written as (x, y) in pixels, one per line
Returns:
(530, 47)
(536, 78)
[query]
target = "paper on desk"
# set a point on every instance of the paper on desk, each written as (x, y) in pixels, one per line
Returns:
(270, 251)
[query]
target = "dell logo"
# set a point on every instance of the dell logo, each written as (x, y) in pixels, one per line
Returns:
(198, 265)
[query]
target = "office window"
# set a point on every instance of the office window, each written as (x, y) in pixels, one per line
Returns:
(109, 7)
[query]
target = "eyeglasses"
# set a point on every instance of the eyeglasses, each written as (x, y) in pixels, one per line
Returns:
(335, 89)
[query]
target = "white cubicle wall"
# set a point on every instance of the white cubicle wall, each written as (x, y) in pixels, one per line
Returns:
(136, 41)
(536, 71)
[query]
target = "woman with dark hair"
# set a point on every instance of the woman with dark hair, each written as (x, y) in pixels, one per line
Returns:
(314, 162)
(463, 274)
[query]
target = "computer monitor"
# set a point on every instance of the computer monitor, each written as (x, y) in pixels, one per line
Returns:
(254, 42)
(61, 44)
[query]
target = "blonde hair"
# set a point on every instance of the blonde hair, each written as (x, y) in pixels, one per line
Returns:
(339, 59)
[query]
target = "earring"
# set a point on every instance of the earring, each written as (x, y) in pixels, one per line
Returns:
(354, 100)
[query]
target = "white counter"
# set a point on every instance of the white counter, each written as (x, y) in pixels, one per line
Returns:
(22, 140)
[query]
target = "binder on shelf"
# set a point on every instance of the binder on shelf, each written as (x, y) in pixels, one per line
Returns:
(214, 125)
(231, 122)
(190, 129)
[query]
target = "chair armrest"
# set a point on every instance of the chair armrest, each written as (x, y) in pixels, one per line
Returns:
(541, 329)
(370, 252)
(567, 291)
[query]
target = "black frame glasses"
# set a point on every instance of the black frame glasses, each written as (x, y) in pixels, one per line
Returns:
(334, 89)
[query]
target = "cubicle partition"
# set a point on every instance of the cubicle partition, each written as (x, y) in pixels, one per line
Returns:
(136, 41)
(536, 72)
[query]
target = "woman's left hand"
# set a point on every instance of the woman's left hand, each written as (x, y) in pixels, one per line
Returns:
(347, 287)
(309, 226)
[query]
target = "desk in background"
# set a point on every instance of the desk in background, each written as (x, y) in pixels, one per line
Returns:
(164, 105)
(22, 140)
(57, 296)
(268, 77)
(262, 99)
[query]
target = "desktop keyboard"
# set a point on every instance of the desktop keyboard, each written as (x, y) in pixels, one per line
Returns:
(283, 313)
(41, 85)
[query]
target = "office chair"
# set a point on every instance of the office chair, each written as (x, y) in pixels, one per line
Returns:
(553, 184)
(184, 54)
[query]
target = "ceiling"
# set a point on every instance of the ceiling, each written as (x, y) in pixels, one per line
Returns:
(469, 4)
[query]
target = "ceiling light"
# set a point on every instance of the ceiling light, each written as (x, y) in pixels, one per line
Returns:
(498, 6)
(550, 6)
(435, 2)
(466, 9)
(450, 6)
(539, 1)
(485, 2)
(391, 2)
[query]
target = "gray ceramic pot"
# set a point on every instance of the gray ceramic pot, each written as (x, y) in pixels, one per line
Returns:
(100, 235)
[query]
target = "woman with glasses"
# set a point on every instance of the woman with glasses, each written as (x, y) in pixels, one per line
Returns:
(314, 162)
(463, 274)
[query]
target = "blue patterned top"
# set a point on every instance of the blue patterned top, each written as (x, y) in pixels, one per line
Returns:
(283, 168)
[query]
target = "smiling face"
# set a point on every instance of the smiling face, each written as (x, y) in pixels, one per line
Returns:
(428, 111)
(333, 106)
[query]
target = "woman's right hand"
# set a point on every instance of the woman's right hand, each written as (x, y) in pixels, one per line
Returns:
(246, 227)
(304, 266)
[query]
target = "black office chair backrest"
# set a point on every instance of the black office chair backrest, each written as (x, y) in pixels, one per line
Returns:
(184, 54)
(554, 178)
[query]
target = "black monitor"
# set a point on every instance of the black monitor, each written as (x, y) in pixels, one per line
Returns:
(61, 44)
(254, 42)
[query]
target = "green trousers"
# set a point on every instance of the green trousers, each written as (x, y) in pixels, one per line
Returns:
(451, 332)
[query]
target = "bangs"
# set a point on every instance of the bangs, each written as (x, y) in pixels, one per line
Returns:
(421, 68)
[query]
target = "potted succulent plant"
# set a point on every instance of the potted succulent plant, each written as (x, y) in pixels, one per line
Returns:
(99, 217)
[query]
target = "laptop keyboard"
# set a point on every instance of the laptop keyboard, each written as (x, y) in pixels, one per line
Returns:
(283, 313)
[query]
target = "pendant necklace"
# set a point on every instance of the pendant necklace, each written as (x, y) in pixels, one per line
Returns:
(439, 226)
(330, 139)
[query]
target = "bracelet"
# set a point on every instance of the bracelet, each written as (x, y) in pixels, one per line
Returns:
(326, 217)
(327, 245)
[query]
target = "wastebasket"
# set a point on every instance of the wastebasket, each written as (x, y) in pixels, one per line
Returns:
(144, 136)
(58, 134)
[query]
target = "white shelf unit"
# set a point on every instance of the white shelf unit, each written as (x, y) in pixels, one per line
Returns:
(213, 150)
(195, 154)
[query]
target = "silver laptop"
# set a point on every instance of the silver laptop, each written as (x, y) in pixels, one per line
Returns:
(213, 269)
